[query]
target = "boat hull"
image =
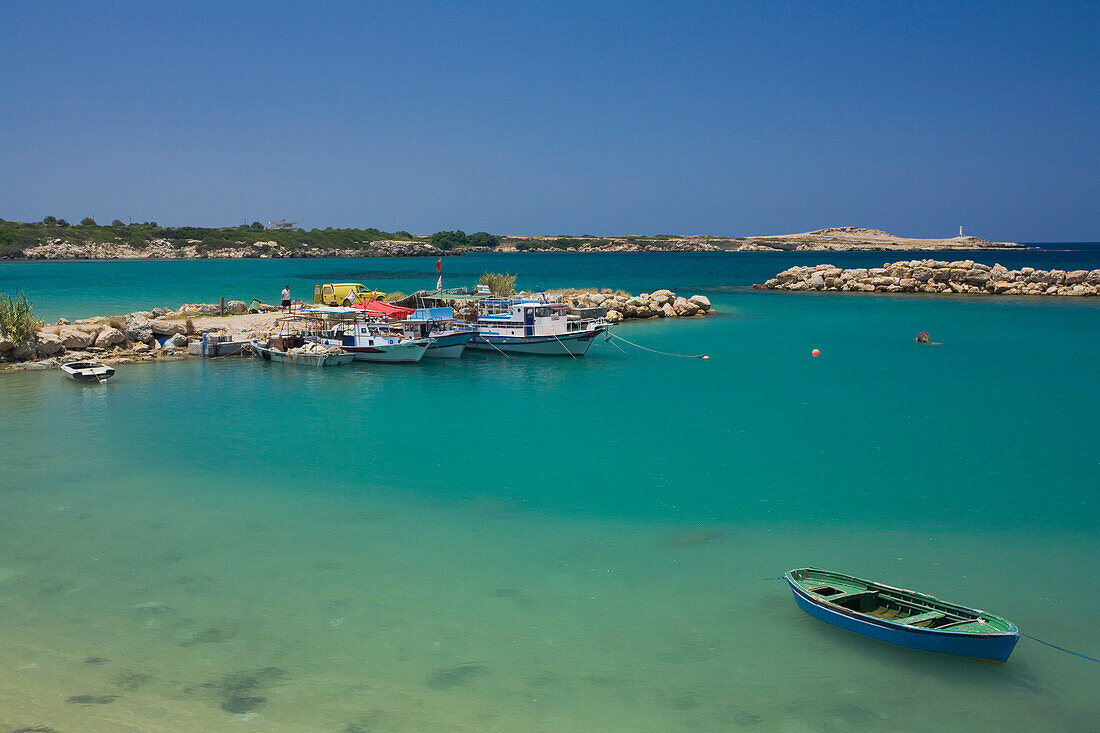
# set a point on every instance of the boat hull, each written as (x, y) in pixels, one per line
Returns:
(449, 346)
(576, 343)
(87, 371)
(215, 348)
(314, 360)
(408, 352)
(995, 647)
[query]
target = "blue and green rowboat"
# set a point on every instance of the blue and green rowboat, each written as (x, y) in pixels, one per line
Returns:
(902, 617)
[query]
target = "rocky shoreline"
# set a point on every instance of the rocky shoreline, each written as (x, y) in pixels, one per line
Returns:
(835, 239)
(163, 333)
(935, 276)
(162, 249)
(831, 239)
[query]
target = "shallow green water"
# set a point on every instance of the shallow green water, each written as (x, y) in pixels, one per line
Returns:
(550, 544)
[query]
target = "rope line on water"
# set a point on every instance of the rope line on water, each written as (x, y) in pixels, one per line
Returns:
(498, 350)
(610, 335)
(1061, 649)
(564, 347)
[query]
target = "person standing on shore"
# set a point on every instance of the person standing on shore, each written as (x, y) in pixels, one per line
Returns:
(286, 298)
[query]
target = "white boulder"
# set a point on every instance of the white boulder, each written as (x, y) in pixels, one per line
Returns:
(49, 344)
(702, 301)
(166, 328)
(75, 338)
(109, 336)
(138, 327)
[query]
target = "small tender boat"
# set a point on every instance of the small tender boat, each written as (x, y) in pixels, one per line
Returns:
(902, 617)
(88, 371)
(284, 349)
(533, 327)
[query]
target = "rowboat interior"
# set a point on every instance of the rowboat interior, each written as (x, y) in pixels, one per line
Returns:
(897, 605)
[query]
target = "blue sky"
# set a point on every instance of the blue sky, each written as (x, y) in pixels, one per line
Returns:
(568, 117)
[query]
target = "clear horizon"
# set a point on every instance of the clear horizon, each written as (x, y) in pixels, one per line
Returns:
(578, 118)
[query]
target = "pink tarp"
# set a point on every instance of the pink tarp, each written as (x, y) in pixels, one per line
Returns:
(378, 308)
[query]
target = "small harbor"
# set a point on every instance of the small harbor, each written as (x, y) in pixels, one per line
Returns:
(427, 324)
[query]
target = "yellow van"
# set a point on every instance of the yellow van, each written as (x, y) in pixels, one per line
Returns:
(344, 294)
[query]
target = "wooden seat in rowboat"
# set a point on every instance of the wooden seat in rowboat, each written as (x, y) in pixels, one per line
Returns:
(851, 600)
(921, 618)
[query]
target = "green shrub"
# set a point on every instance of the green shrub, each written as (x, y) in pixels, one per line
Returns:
(17, 322)
(482, 239)
(500, 284)
(449, 240)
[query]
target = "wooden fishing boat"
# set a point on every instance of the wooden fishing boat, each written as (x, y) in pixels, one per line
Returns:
(902, 617)
(88, 371)
(309, 354)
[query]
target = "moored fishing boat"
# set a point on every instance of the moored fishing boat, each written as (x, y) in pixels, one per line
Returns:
(376, 342)
(533, 327)
(902, 617)
(449, 337)
(87, 371)
(282, 349)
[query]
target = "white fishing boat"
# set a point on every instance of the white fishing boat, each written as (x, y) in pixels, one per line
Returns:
(534, 327)
(449, 337)
(375, 342)
(88, 371)
(294, 350)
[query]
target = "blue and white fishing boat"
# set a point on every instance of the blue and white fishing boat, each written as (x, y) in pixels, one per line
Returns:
(449, 337)
(376, 342)
(366, 339)
(533, 327)
(902, 617)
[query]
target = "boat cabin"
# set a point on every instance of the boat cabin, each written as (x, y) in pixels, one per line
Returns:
(524, 318)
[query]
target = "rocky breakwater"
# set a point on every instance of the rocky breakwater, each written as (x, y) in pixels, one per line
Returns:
(935, 276)
(623, 306)
(615, 306)
(137, 336)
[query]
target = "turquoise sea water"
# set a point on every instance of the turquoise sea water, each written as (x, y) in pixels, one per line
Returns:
(550, 544)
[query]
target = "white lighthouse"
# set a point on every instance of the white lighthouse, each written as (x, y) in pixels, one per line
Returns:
(960, 230)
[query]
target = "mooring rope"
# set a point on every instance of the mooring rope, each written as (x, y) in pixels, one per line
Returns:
(609, 335)
(620, 348)
(1061, 649)
(498, 350)
(564, 347)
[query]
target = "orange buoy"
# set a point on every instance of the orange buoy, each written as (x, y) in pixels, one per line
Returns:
(816, 352)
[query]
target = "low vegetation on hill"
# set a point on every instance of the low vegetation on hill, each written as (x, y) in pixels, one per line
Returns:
(15, 237)
(459, 238)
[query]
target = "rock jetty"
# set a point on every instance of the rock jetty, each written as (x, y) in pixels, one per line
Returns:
(165, 333)
(658, 304)
(935, 276)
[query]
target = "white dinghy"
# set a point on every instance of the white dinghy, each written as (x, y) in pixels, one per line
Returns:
(88, 371)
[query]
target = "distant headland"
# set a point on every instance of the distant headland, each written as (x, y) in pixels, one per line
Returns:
(56, 239)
